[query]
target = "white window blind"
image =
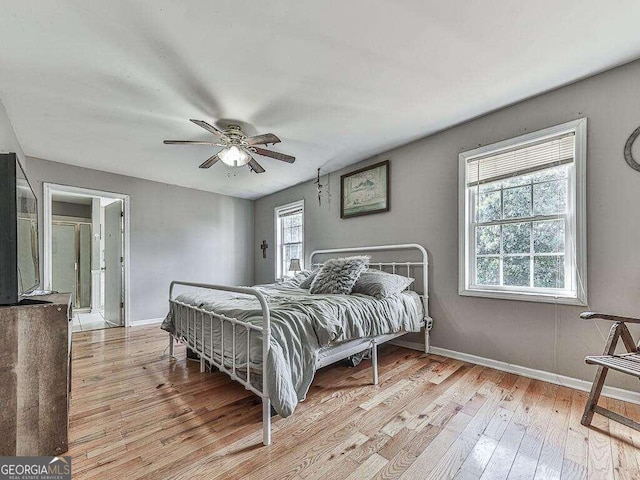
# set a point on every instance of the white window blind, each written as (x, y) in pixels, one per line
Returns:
(521, 160)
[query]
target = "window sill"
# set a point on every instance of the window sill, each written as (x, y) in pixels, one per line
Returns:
(525, 297)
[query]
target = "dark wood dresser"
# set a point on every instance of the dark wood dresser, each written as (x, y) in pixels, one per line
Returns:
(35, 377)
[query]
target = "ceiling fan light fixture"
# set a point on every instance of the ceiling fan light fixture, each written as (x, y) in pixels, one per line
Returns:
(234, 156)
(237, 148)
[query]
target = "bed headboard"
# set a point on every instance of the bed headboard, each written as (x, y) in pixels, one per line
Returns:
(397, 266)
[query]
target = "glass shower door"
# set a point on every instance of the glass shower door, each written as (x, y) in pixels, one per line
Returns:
(64, 258)
(71, 261)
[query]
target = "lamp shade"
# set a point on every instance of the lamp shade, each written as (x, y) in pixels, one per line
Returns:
(294, 265)
(234, 156)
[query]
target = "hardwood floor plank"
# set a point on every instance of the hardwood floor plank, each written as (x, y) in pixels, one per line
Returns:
(510, 450)
(523, 468)
(526, 461)
(379, 442)
(136, 414)
(466, 475)
(317, 461)
(369, 468)
(384, 394)
(337, 406)
(574, 465)
(498, 423)
(623, 457)
(478, 458)
(495, 394)
(452, 459)
(449, 368)
(431, 455)
(377, 414)
(504, 455)
(600, 464)
(551, 457)
(633, 412)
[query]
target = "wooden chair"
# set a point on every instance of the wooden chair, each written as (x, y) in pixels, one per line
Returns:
(628, 363)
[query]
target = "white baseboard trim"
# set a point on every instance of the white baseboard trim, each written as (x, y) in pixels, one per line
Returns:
(571, 382)
(148, 321)
(412, 345)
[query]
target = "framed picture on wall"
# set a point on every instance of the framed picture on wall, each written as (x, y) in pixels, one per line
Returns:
(365, 191)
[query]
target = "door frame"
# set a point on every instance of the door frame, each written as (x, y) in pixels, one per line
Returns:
(48, 190)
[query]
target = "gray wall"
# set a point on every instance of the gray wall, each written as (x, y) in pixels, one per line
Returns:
(176, 233)
(8, 140)
(424, 209)
(66, 209)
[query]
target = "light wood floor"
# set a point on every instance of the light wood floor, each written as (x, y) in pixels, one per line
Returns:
(136, 414)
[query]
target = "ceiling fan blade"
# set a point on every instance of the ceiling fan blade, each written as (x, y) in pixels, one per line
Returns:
(210, 161)
(208, 128)
(263, 139)
(277, 155)
(255, 166)
(189, 142)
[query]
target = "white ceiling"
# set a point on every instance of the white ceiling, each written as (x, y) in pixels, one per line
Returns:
(101, 84)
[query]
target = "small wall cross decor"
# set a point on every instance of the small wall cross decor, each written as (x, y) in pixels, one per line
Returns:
(264, 247)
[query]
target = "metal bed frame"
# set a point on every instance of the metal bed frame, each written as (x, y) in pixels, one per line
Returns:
(188, 314)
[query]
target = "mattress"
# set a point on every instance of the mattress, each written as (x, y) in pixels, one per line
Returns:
(302, 325)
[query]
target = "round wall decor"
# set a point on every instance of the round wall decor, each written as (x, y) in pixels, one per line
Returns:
(628, 155)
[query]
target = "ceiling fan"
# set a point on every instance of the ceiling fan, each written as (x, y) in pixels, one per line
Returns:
(237, 148)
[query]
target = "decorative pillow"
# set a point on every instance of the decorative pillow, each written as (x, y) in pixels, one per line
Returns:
(379, 284)
(306, 283)
(338, 275)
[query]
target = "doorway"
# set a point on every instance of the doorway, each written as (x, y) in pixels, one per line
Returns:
(86, 253)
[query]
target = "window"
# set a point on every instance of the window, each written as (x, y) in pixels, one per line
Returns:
(289, 237)
(522, 217)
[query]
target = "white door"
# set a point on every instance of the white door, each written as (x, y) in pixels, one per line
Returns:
(113, 263)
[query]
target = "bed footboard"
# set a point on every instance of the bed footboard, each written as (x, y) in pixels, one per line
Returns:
(185, 319)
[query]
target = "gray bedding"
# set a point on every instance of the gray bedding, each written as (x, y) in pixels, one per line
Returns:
(301, 325)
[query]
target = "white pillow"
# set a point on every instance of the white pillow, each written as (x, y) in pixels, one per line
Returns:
(379, 284)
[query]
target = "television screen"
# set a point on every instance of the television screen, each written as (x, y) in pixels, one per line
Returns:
(27, 234)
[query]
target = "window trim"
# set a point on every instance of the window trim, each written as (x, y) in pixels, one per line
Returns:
(578, 225)
(278, 211)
